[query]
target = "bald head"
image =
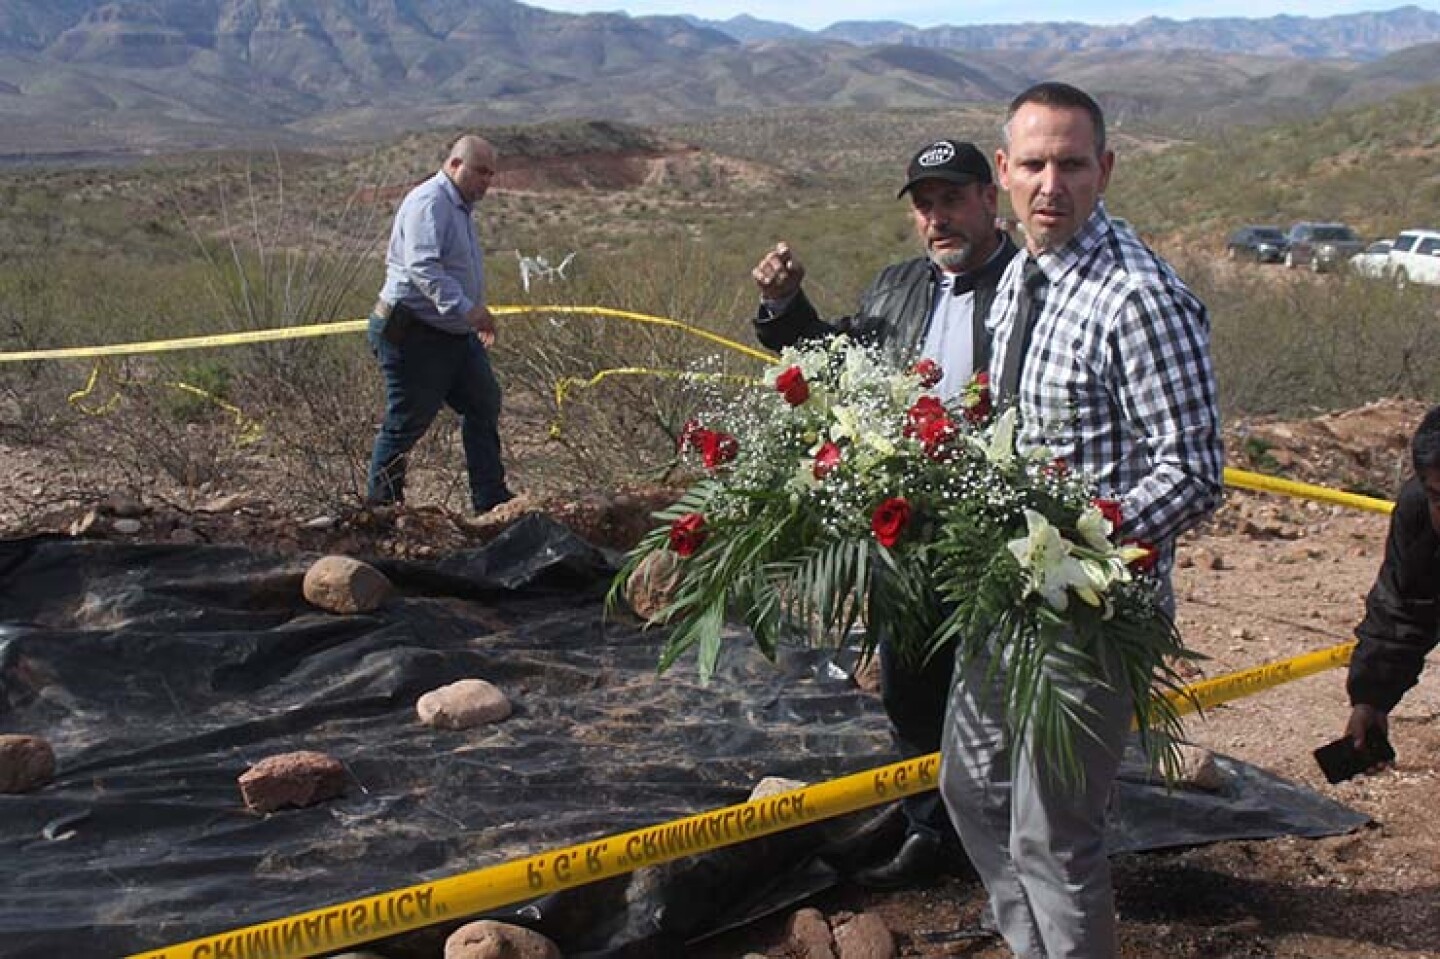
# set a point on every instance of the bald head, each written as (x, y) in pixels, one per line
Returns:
(470, 166)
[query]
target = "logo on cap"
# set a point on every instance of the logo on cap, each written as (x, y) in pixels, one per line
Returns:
(937, 154)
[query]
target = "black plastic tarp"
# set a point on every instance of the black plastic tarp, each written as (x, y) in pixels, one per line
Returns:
(160, 673)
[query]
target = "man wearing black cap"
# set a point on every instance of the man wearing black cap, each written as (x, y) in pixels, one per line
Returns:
(930, 307)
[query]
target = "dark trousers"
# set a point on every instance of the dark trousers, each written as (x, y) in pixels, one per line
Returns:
(915, 696)
(426, 370)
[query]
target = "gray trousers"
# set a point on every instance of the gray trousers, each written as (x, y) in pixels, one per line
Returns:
(1037, 842)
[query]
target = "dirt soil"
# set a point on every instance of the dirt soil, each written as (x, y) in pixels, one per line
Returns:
(1268, 578)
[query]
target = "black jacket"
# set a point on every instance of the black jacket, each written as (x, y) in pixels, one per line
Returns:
(894, 311)
(1400, 625)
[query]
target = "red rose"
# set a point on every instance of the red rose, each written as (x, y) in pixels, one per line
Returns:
(889, 520)
(929, 372)
(689, 434)
(826, 460)
(792, 386)
(687, 533)
(976, 402)
(1146, 563)
(717, 448)
(925, 409)
(1056, 469)
(1110, 509)
(933, 433)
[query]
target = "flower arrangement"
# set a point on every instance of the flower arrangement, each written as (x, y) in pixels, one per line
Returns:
(838, 489)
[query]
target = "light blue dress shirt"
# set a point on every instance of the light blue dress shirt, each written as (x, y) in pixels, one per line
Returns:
(433, 264)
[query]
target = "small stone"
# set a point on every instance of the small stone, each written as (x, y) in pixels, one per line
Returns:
(773, 785)
(126, 527)
(26, 763)
(865, 937)
(301, 779)
(85, 523)
(123, 504)
(230, 503)
(488, 939)
(1199, 770)
(463, 704)
(808, 935)
(1205, 558)
(319, 522)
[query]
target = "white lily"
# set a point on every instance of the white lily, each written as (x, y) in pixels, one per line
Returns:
(847, 423)
(1045, 557)
(1001, 448)
(878, 442)
(1095, 529)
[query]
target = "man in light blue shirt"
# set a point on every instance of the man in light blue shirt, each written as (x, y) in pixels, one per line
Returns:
(431, 330)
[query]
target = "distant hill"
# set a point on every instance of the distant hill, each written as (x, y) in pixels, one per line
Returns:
(85, 76)
(1355, 36)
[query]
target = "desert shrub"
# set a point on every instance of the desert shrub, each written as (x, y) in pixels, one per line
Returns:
(622, 428)
(1298, 344)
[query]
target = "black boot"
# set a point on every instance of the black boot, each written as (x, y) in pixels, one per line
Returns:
(918, 862)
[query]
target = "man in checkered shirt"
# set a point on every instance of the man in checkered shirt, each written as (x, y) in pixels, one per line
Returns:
(1106, 353)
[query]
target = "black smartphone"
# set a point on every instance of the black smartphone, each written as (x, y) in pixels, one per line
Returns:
(397, 324)
(1340, 760)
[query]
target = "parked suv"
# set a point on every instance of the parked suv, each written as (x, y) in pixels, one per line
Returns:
(1415, 257)
(1321, 246)
(1263, 244)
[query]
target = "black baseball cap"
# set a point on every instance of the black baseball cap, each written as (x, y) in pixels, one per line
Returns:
(952, 160)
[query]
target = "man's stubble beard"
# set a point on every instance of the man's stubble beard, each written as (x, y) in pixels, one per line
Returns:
(952, 260)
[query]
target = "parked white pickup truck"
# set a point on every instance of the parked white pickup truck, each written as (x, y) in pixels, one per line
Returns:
(1415, 258)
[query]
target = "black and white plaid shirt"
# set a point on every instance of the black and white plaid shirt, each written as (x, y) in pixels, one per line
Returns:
(1118, 380)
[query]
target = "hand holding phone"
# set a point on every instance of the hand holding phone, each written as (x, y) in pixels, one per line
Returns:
(1342, 759)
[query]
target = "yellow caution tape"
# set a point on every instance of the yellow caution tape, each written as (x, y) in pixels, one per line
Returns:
(351, 326)
(250, 430)
(1271, 484)
(363, 920)
(188, 342)
(1222, 689)
(567, 383)
(703, 334)
(76, 399)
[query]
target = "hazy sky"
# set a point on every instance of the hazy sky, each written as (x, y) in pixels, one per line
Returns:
(929, 13)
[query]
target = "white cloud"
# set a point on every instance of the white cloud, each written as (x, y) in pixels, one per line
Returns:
(926, 13)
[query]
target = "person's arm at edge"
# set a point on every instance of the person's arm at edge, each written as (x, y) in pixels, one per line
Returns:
(1399, 628)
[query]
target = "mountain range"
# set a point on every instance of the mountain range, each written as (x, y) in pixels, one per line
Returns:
(1356, 36)
(114, 76)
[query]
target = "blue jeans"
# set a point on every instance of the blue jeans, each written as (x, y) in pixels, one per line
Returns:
(428, 369)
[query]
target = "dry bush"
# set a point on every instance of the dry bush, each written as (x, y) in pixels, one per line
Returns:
(621, 430)
(1291, 344)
